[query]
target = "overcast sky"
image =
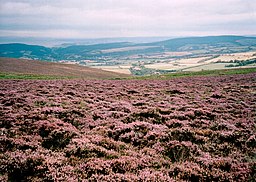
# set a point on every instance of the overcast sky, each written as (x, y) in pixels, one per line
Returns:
(126, 18)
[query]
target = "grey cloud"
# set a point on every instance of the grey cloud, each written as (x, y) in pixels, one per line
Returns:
(113, 18)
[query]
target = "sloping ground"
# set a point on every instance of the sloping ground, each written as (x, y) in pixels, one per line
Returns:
(210, 44)
(184, 129)
(10, 65)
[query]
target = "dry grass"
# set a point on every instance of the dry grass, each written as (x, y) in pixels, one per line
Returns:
(236, 56)
(202, 63)
(164, 66)
(177, 53)
(192, 60)
(127, 49)
(118, 70)
(124, 69)
(210, 66)
(177, 64)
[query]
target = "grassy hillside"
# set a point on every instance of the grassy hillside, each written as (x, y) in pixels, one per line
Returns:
(20, 68)
(200, 73)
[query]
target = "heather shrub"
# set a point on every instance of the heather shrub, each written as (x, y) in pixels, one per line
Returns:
(70, 117)
(148, 175)
(19, 143)
(90, 150)
(178, 151)
(184, 134)
(56, 140)
(183, 129)
(114, 177)
(121, 106)
(111, 144)
(55, 134)
(138, 133)
(251, 142)
(22, 166)
(174, 123)
(188, 171)
(95, 166)
(151, 116)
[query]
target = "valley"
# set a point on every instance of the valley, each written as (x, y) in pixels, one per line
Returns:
(168, 56)
(78, 113)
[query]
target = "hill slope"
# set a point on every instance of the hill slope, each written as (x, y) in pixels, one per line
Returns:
(17, 50)
(209, 44)
(204, 43)
(11, 65)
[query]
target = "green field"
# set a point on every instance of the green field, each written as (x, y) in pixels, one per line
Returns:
(31, 76)
(201, 73)
(164, 76)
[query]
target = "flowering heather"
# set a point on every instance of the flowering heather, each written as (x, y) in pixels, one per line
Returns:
(184, 129)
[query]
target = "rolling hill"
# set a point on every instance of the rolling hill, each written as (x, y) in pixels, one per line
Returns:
(195, 43)
(23, 66)
(17, 50)
(209, 44)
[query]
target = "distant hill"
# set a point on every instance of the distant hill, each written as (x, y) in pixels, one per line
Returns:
(195, 43)
(22, 66)
(28, 51)
(73, 52)
(84, 51)
(209, 44)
